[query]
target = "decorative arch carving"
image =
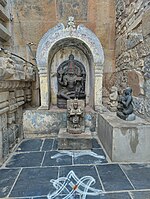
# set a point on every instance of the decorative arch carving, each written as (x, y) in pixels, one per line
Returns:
(84, 36)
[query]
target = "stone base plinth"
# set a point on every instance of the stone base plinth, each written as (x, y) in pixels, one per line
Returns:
(67, 141)
(46, 123)
(124, 141)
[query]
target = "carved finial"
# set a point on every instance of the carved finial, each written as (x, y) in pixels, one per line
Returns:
(71, 23)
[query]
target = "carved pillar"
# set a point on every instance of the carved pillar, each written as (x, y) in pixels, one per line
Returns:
(98, 87)
(44, 91)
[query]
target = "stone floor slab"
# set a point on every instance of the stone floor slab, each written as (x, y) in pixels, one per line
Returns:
(141, 195)
(55, 144)
(95, 156)
(123, 195)
(7, 178)
(34, 182)
(56, 158)
(30, 145)
(82, 171)
(30, 159)
(113, 178)
(139, 174)
(95, 144)
(48, 144)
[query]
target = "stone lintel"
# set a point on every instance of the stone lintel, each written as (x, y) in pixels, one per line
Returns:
(4, 33)
(3, 14)
(68, 141)
(3, 2)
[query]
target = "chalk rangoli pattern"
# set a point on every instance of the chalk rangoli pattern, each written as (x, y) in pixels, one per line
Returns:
(71, 184)
(77, 154)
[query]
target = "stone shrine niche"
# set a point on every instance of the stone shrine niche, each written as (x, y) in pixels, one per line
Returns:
(71, 77)
(54, 48)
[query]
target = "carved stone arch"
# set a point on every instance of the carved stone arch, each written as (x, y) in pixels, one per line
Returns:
(82, 38)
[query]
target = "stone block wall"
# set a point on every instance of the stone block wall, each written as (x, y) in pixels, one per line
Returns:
(15, 91)
(4, 22)
(133, 51)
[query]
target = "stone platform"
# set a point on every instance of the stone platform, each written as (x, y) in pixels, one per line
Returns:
(124, 141)
(68, 141)
(47, 123)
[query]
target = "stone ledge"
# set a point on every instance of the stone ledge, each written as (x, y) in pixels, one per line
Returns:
(124, 141)
(3, 14)
(38, 122)
(4, 33)
(3, 2)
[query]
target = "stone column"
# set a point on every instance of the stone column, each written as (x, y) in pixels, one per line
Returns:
(98, 87)
(44, 91)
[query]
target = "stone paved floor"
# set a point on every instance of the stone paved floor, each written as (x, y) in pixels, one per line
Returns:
(28, 173)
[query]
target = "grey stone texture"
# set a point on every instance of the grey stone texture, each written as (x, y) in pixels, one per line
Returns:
(124, 141)
(15, 83)
(4, 18)
(133, 49)
(68, 141)
(42, 123)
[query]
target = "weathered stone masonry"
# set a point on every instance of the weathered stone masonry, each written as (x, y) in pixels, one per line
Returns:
(133, 51)
(15, 90)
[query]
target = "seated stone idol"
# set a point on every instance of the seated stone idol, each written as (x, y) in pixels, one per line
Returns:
(75, 116)
(125, 107)
(71, 77)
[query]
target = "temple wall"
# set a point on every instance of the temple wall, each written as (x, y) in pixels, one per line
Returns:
(15, 93)
(16, 77)
(31, 19)
(133, 51)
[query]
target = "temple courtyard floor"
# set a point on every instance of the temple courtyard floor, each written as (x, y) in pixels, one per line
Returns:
(38, 170)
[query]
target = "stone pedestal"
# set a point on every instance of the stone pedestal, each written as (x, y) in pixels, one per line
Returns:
(124, 141)
(68, 141)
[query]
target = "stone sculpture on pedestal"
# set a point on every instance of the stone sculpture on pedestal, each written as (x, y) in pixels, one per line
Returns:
(71, 78)
(75, 116)
(125, 107)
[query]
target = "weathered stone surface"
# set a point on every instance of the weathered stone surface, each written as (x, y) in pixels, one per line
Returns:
(75, 8)
(4, 33)
(3, 2)
(48, 122)
(67, 141)
(134, 23)
(124, 141)
(3, 14)
(4, 96)
(146, 68)
(136, 82)
(146, 23)
(134, 39)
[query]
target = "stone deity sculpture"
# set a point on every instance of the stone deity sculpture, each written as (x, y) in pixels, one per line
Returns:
(125, 107)
(75, 116)
(71, 77)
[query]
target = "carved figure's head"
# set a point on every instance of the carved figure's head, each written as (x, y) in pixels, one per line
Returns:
(128, 91)
(75, 104)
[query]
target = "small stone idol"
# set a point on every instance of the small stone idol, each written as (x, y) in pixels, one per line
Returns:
(125, 107)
